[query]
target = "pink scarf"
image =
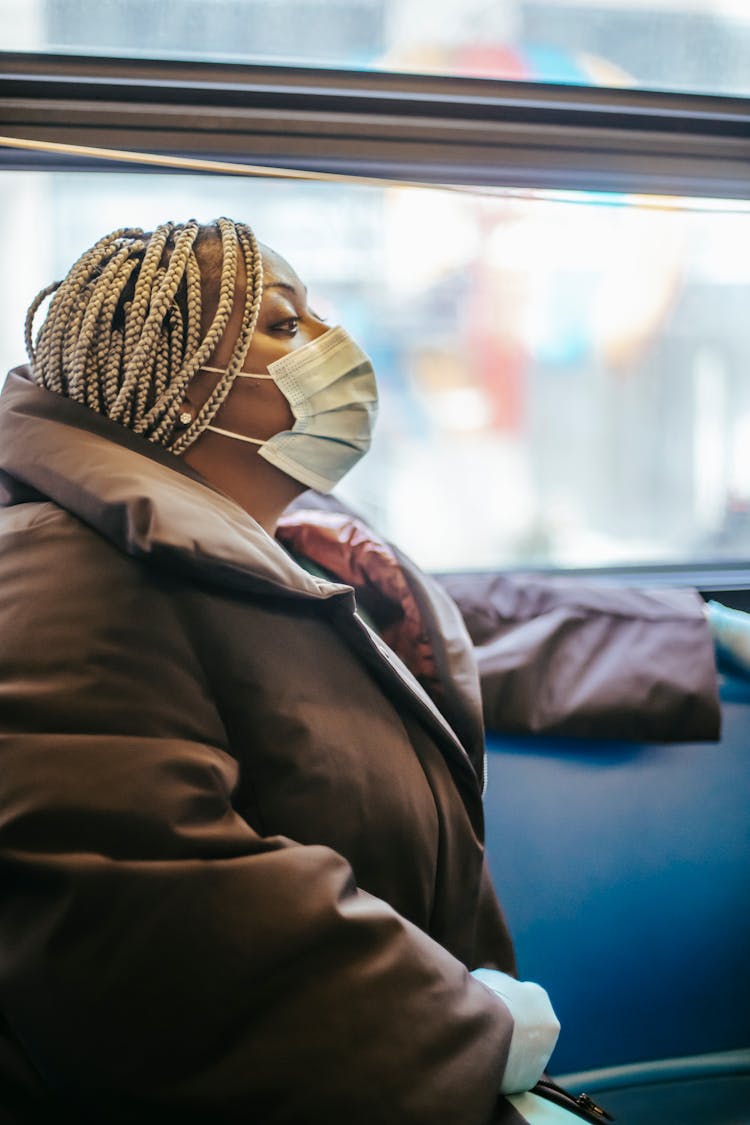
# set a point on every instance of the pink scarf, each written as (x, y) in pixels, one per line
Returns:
(346, 548)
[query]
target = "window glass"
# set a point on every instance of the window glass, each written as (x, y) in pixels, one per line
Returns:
(690, 45)
(564, 379)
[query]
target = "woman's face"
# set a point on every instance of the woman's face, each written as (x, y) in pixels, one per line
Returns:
(257, 408)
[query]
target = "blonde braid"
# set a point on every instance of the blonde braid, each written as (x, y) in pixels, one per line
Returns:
(66, 313)
(76, 389)
(109, 371)
(157, 319)
(91, 386)
(85, 343)
(165, 412)
(176, 352)
(47, 362)
(122, 410)
(165, 347)
(122, 333)
(139, 303)
(145, 359)
(110, 340)
(194, 304)
(31, 313)
(253, 296)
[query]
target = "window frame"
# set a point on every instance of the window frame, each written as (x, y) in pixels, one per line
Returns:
(385, 125)
(471, 131)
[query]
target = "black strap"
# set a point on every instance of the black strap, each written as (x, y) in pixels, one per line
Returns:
(581, 1104)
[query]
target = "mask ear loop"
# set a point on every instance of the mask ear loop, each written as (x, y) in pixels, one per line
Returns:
(237, 437)
(228, 433)
(239, 375)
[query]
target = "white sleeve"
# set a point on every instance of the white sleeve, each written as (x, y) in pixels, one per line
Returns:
(535, 1028)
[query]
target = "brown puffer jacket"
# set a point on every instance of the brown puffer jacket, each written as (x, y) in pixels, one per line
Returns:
(240, 847)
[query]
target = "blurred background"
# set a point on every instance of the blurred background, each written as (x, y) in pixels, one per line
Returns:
(564, 376)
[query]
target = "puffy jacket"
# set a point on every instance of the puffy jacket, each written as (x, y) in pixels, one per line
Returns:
(240, 847)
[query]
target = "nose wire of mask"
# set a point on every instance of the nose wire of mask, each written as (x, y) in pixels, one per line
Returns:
(331, 390)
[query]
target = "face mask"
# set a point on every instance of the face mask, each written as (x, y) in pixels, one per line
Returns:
(330, 387)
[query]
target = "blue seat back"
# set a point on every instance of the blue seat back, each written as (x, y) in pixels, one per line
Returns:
(624, 870)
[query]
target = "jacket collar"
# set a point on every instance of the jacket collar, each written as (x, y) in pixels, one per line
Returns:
(141, 497)
(150, 505)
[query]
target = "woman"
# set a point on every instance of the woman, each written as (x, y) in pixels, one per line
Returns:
(241, 840)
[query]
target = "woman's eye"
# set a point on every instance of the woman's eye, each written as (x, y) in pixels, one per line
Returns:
(286, 327)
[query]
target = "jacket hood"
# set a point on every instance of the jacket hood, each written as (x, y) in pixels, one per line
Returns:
(151, 505)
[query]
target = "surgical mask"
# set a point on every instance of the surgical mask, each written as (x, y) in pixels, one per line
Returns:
(330, 387)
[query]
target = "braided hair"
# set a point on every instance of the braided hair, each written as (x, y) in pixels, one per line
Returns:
(128, 328)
